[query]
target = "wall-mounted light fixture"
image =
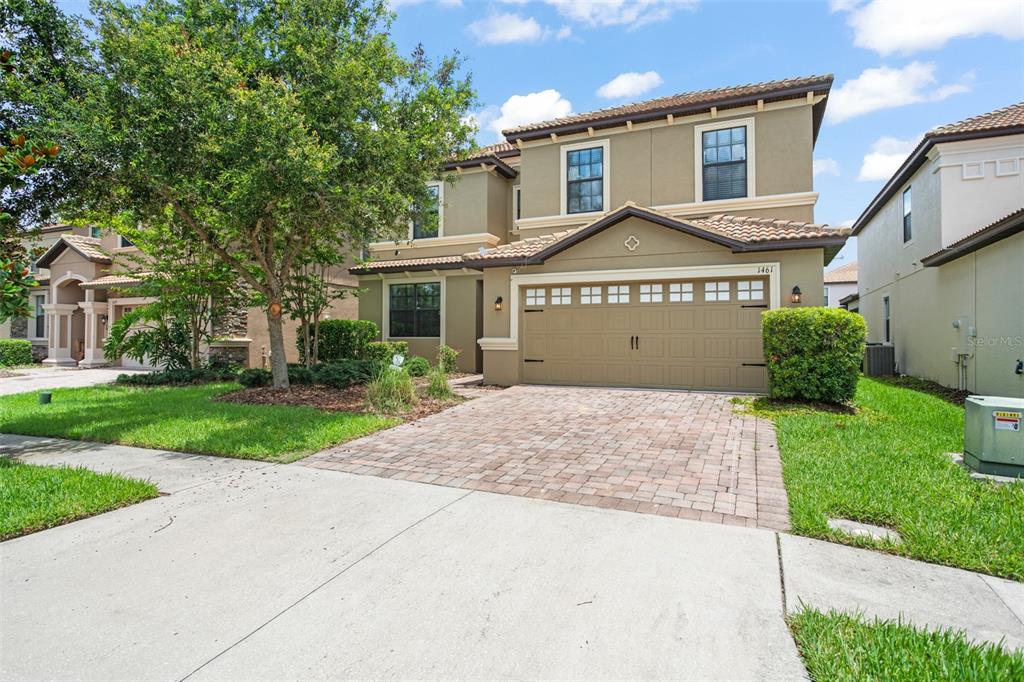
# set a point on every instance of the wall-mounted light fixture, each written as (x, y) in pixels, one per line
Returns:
(794, 298)
(497, 304)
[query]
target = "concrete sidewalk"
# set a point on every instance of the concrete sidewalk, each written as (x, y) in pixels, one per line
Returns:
(43, 378)
(257, 571)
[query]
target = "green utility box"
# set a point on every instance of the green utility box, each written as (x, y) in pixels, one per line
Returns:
(994, 435)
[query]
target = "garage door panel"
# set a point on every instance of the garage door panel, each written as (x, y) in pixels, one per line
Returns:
(683, 344)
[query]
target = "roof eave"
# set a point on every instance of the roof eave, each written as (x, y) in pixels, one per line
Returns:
(419, 267)
(500, 166)
(916, 160)
(823, 86)
(1006, 228)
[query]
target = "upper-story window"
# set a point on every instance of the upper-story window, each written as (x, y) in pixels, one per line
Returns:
(724, 163)
(123, 243)
(95, 232)
(517, 202)
(427, 223)
(908, 229)
(585, 177)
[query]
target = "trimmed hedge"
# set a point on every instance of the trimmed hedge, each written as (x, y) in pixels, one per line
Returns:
(383, 351)
(813, 353)
(343, 339)
(180, 377)
(15, 352)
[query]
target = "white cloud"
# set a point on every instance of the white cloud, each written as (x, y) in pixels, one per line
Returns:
(504, 28)
(826, 167)
(521, 109)
(632, 13)
(906, 26)
(886, 87)
(630, 84)
(846, 223)
(886, 155)
(842, 5)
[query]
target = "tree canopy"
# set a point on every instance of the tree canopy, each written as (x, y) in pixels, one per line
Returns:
(271, 129)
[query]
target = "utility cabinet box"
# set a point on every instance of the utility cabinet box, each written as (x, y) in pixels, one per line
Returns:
(994, 435)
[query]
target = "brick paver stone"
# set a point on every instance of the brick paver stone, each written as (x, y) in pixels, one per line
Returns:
(685, 455)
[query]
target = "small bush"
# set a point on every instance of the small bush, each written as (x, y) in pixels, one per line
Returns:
(438, 387)
(345, 373)
(383, 351)
(255, 377)
(343, 339)
(813, 353)
(391, 391)
(447, 359)
(222, 369)
(15, 352)
(178, 377)
(300, 375)
(417, 366)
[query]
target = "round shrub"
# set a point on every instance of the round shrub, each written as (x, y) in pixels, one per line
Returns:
(383, 351)
(447, 359)
(300, 375)
(15, 352)
(813, 353)
(417, 366)
(255, 377)
(345, 373)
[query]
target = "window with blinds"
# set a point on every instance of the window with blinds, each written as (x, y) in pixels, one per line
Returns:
(725, 163)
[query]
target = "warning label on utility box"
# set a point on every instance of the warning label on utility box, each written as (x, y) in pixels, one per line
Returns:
(1007, 421)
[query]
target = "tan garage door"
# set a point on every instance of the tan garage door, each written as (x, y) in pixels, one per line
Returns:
(702, 334)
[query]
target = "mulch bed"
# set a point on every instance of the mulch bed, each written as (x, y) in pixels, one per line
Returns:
(351, 399)
(948, 394)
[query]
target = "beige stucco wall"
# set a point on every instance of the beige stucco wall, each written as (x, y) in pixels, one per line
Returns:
(656, 166)
(258, 333)
(659, 247)
(982, 290)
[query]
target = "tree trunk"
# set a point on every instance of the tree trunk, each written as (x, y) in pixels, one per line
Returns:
(278, 360)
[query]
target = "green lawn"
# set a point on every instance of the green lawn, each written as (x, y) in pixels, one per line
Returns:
(886, 465)
(184, 419)
(837, 646)
(34, 497)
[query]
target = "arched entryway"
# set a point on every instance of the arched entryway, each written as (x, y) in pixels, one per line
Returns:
(66, 321)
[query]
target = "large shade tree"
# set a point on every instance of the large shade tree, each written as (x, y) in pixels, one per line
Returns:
(271, 129)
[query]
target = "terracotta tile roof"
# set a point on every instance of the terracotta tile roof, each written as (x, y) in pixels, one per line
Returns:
(734, 95)
(736, 230)
(997, 230)
(1007, 117)
(500, 149)
(492, 155)
(842, 274)
(109, 281)
(1006, 121)
(88, 247)
(435, 262)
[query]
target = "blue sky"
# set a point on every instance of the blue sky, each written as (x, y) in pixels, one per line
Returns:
(901, 67)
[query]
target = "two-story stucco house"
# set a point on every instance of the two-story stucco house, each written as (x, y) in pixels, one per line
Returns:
(632, 246)
(85, 285)
(942, 256)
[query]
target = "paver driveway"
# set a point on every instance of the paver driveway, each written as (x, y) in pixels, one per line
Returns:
(686, 455)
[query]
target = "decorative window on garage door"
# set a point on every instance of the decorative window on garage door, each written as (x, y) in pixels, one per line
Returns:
(750, 291)
(650, 293)
(716, 291)
(590, 295)
(535, 297)
(680, 292)
(561, 296)
(618, 293)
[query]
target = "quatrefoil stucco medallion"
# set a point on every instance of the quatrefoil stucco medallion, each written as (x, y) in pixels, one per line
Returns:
(631, 242)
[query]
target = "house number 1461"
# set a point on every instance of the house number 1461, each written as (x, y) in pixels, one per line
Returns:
(765, 269)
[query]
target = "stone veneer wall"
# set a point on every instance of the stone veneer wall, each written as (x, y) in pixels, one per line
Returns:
(19, 327)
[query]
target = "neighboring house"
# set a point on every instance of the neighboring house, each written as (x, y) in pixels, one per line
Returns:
(85, 285)
(632, 246)
(942, 256)
(839, 283)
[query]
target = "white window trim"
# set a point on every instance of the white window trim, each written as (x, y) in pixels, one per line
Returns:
(32, 324)
(440, 212)
(385, 320)
(516, 198)
(698, 153)
(606, 177)
(903, 214)
(1014, 167)
(771, 270)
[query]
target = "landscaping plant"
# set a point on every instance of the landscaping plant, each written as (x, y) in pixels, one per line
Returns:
(255, 377)
(343, 339)
(417, 366)
(15, 352)
(391, 391)
(813, 353)
(148, 333)
(447, 359)
(438, 388)
(384, 351)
